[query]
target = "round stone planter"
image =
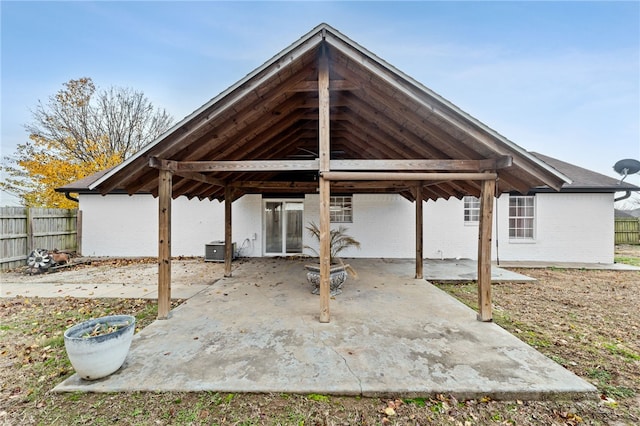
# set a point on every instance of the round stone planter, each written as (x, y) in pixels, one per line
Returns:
(94, 357)
(337, 277)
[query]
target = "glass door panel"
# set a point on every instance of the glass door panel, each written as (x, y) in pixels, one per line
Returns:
(273, 227)
(294, 227)
(283, 227)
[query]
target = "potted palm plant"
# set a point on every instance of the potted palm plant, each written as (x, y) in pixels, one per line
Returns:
(339, 240)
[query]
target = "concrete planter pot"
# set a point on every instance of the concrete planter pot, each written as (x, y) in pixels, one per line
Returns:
(97, 356)
(337, 277)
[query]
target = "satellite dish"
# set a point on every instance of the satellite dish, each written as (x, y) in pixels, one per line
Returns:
(626, 167)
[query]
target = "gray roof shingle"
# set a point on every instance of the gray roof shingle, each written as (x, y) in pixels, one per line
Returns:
(583, 180)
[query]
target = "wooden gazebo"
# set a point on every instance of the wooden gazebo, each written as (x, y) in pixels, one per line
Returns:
(327, 116)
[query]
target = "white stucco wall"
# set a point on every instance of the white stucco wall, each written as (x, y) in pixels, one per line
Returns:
(384, 225)
(568, 227)
(445, 233)
(122, 225)
(246, 220)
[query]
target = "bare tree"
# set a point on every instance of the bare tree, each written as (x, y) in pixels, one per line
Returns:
(631, 203)
(85, 123)
(79, 131)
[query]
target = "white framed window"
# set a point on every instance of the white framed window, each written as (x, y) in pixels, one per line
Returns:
(471, 209)
(341, 209)
(521, 217)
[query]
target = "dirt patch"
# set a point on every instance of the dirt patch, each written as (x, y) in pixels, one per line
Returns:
(628, 250)
(143, 271)
(585, 320)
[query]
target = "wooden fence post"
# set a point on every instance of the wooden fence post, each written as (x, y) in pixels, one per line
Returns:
(79, 233)
(29, 229)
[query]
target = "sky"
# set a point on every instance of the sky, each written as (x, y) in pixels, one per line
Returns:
(558, 78)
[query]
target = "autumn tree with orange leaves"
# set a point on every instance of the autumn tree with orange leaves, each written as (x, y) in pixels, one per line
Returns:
(78, 132)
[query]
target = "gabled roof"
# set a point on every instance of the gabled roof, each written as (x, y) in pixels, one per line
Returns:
(583, 180)
(376, 112)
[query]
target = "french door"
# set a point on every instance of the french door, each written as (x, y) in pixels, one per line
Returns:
(283, 226)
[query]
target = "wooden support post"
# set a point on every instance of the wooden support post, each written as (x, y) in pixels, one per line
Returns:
(419, 232)
(324, 150)
(164, 243)
(325, 258)
(484, 250)
(228, 231)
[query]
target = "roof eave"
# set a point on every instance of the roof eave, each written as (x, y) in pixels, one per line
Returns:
(586, 189)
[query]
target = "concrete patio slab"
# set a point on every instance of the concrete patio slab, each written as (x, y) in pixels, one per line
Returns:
(464, 270)
(570, 265)
(390, 334)
(194, 277)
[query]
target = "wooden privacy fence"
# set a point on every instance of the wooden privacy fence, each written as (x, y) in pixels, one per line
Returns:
(25, 229)
(627, 230)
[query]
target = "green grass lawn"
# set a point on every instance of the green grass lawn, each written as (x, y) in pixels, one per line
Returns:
(628, 260)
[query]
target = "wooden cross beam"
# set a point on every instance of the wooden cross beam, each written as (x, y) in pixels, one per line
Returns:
(416, 165)
(353, 176)
(423, 165)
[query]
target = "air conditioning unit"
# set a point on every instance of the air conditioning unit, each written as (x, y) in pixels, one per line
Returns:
(214, 251)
